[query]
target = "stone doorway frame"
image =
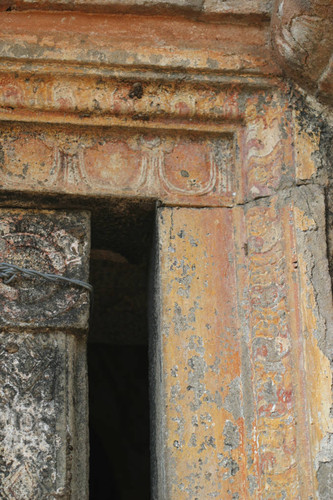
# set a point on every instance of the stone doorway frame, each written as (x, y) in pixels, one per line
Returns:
(246, 218)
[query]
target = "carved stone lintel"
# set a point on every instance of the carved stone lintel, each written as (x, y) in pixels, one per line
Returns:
(210, 163)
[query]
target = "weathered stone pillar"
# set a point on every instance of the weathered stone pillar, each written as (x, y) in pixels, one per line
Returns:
(242, 373)
(199, 421)
(43, 375)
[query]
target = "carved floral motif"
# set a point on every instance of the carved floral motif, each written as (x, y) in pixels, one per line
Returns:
(50, 242)
(170, 166)
(29, 437)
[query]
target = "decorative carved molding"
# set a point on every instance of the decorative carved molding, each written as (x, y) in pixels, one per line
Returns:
(174, 167)
(211, 163)
(91, 99)
(266, 275)
(194, 76)
(302, 34)
(49, 242)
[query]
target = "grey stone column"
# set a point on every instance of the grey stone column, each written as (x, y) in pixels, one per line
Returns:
(43, 373)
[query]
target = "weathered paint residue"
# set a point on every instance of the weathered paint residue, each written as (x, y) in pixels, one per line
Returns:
(204, 422)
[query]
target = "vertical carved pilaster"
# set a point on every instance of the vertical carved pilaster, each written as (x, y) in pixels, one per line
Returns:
(43, 414)
(242, 350)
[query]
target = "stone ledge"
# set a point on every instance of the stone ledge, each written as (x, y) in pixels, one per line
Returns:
(141, 42)
(150, 7)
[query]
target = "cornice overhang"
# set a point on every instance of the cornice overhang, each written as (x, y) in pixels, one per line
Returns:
(302, 37)
(200, 9)
(54, 64)
(164, 43)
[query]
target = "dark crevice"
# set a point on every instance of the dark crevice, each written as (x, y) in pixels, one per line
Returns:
(118, 356)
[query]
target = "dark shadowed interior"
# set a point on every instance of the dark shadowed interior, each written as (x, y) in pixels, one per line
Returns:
(118, 356)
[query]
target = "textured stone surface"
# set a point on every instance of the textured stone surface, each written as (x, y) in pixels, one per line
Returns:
(302, 34)
(102, 100)
(134, 42)
(43, 366)
(50, 242)
(41, 454)
(190, 7)
(244, 310)
(317, 325)
(200, 402)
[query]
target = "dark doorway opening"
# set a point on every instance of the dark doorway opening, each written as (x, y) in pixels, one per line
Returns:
(118, 355)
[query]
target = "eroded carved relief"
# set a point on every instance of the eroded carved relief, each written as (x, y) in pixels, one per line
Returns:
(37, 432)
(271, 291)
(270, 352)
(50, 242)
(213, 163)
(99, 97)
(31, 367)
(268, 162)
(42, 362)
(171, 166)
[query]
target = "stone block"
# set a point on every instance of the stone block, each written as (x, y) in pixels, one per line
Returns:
(201, 408)
(56, 242)
(43, 436)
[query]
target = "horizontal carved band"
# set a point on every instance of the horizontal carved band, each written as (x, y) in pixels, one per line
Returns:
(190, 162)
(168, 166)
(32, 92)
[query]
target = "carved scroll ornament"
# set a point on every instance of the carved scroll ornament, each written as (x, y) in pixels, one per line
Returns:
(302, 36)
